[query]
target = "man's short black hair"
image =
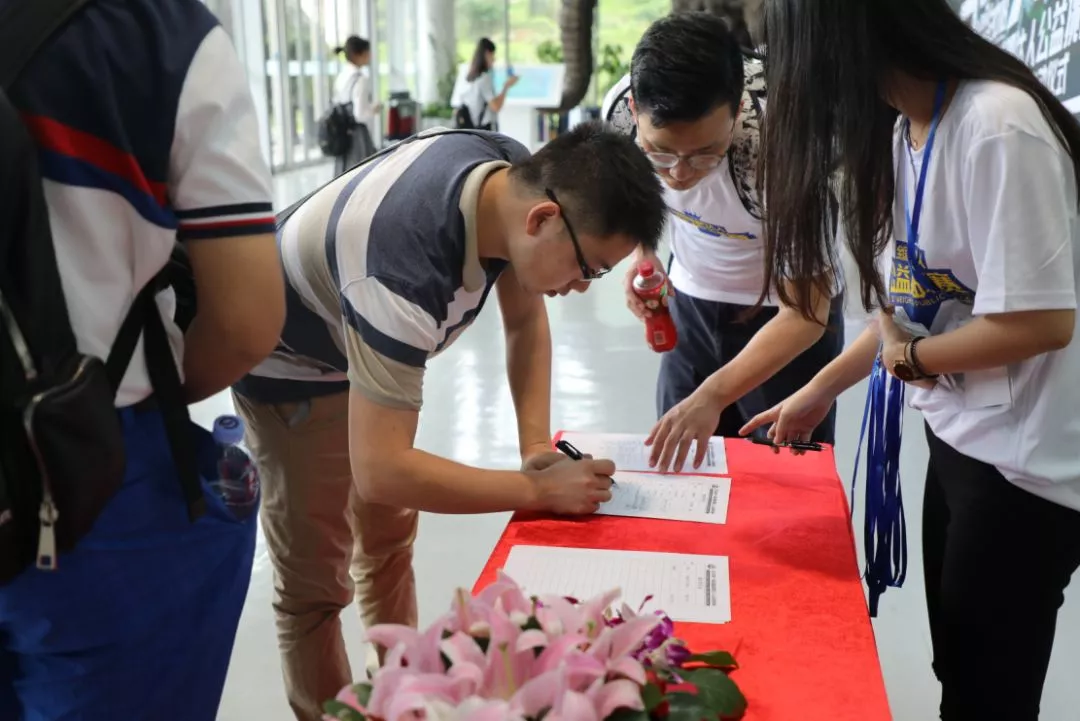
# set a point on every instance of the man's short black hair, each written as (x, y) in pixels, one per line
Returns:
(685, 66)
(602, 179)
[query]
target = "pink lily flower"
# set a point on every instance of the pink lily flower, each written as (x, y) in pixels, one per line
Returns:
(399, 695)
(420, 649)
(473, 708)
(616, 644)
(507, 596)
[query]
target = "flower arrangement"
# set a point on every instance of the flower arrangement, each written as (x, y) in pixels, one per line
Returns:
(503, 656)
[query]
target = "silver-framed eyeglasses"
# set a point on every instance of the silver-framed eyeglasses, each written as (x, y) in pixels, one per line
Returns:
(698, 161)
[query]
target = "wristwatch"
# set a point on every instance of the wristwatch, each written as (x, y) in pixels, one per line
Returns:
(908, 368)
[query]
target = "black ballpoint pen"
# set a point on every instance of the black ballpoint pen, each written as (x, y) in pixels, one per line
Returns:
(795, 445)
(567, 448)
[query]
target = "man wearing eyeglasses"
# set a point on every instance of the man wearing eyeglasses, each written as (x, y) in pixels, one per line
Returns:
(386, 266)
(694, 101)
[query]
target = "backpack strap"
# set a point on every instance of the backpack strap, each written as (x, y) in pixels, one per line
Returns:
(619, 115)
(25, 27)
(144, 319)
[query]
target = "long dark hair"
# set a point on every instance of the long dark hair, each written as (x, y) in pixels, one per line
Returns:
(825, 66)
(354, 46)
(479, 64)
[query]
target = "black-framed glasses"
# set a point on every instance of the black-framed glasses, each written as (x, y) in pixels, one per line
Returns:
(587, 272)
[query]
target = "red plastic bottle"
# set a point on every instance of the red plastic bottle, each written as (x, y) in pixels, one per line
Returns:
(651, 286)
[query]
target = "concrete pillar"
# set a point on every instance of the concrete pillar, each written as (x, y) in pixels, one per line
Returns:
(397, 43)
(436, 50)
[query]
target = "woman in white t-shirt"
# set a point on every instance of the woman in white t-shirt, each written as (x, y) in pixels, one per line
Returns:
(352, 86)
(478, 94)
(962, 217)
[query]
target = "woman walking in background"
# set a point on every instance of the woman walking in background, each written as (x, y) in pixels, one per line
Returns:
(353, 87)
(959, 188)
(478, 96)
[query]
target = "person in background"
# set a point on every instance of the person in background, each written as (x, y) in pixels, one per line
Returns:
(961, 211)
(147, 135)
(478, 94)
(695, 102)
(353, 87)
(388, 265)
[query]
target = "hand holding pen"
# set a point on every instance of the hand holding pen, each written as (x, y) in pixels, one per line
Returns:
(574, 454)
(572, 486)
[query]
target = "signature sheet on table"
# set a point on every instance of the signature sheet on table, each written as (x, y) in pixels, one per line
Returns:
(700, 499)
(630, 453)
(687, 587)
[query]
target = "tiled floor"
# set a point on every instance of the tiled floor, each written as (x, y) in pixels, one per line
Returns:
(603, 380)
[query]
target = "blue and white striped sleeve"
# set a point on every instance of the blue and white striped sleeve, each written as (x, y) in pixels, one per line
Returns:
(388, 339)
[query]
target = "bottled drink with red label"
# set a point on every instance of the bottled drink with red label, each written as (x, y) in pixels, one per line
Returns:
(650, 285)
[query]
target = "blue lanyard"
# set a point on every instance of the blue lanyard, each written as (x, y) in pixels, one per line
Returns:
(914, 215)
(885, 526)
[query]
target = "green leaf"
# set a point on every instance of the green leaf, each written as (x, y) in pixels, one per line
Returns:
(715, 659)
(652, 696)
(338, 710)
(626, 714)
(685, 707)
(363, 693)
(717, 692)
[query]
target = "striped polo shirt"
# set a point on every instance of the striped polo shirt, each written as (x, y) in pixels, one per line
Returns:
(383, 272)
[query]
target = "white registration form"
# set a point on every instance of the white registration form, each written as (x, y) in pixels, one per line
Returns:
(689, 588)
(630, 453)
(701, 499)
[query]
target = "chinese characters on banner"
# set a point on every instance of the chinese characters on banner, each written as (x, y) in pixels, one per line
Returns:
(1045, 34)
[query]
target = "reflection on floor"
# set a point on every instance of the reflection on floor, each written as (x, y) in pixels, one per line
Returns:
(603, 380)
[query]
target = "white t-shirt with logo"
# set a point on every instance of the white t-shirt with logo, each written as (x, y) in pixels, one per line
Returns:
(998, 234)
(718, 245)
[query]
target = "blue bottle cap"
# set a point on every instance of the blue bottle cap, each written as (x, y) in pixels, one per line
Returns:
(228, 431)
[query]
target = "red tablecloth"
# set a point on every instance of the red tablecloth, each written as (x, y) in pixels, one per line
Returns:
(800, 628)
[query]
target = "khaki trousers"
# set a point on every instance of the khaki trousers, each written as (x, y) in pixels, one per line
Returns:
(327, 546)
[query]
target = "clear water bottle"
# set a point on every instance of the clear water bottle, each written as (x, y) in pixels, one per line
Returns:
(237, 479)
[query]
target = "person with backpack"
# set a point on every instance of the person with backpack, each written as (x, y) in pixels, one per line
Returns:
(125, 128)
(387, 266)
(477, 104)
(354, 101)
(695, 100)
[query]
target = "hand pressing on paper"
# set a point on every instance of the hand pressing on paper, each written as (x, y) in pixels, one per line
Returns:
(573, 488)
(694, 419)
